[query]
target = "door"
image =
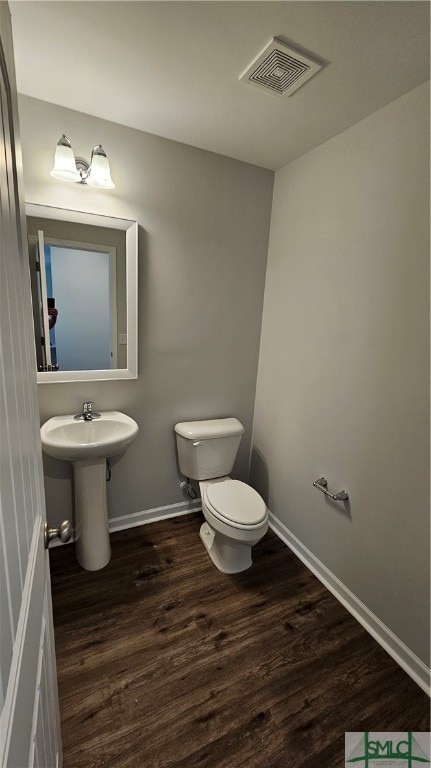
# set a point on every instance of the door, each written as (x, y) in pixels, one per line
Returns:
(29, 720)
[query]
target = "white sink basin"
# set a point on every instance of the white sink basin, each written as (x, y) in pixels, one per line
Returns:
(69, 439)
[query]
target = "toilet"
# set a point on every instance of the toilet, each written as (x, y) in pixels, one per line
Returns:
(236, 516)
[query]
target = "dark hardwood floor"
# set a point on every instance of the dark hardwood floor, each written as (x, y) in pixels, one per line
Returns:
(163, 662)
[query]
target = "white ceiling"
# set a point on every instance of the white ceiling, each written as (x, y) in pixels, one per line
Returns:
(173, 68)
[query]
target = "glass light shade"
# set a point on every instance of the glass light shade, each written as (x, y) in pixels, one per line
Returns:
(100, 173)
(64, 164)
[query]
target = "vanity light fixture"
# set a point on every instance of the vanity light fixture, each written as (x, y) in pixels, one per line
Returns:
(67, 167)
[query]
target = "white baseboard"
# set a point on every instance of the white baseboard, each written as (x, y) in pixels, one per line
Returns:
(411, 664)
(151, 515)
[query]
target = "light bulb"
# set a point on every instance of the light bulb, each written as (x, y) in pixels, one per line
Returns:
(99, 174)
(64, 164)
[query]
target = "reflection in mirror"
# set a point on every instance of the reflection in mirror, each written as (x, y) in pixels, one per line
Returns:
(83, 270)
(76, 292)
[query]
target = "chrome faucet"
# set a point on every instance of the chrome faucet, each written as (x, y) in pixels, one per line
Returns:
(87, 412)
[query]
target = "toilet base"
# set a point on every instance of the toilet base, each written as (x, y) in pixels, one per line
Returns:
(228, 556)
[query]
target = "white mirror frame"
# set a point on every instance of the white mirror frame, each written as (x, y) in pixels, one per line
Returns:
(131, 230)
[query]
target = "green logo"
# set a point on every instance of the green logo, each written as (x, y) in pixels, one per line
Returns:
(385, 749)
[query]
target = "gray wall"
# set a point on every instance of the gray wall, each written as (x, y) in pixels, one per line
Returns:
(203, 237)
(343, 381)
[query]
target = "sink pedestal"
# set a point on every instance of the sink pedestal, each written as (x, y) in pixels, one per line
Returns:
(93, 548)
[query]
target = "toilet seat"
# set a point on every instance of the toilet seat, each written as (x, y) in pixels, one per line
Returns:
(235, 503)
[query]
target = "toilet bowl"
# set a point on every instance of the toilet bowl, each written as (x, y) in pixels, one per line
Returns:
(236, 518)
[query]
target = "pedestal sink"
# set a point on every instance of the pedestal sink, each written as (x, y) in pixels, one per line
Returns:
(87, 444)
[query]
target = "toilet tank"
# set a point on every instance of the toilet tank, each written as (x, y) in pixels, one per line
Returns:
(208, 449)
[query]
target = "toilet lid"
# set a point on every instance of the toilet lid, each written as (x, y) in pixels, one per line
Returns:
(236, 501)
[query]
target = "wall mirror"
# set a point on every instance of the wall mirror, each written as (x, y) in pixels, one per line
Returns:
(84, 278)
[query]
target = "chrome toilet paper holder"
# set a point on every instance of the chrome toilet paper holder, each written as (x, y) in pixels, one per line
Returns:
(322, 485)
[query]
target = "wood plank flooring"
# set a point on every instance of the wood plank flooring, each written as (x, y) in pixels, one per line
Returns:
(163, 662)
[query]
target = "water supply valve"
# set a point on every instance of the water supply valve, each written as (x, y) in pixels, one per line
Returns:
(188, 489)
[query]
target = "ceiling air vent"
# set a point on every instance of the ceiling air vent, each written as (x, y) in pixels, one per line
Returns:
(280, 69)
